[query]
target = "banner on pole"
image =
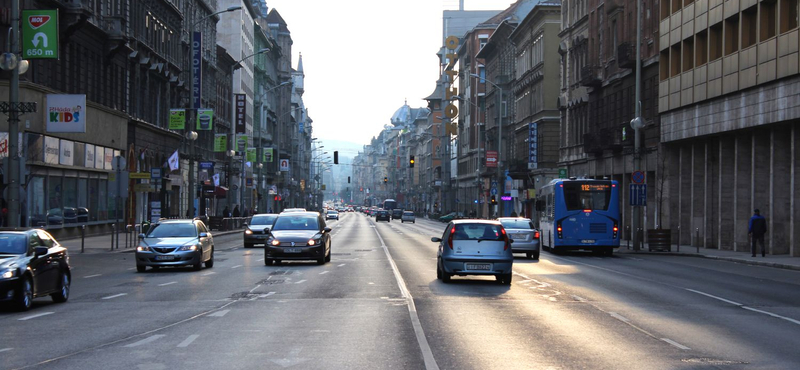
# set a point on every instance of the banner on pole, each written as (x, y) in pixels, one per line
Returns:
(268, 155)
(205, 119)
(251, 154)
(177, 119)
(220, 142)
(241, 143)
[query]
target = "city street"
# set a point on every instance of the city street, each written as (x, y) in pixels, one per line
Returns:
(378, 305)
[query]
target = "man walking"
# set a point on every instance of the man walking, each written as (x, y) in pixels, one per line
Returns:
(756, 230)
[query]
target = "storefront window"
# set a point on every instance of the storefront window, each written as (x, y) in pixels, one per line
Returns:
(102, 196)
(70, 196)
(112, 200)
(36, 202)
(83, 201)
(93, 198)
(54, 201)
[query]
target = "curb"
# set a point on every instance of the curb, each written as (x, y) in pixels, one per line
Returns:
(721, 258)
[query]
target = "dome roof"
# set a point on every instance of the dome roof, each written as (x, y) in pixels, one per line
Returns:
(402, 116)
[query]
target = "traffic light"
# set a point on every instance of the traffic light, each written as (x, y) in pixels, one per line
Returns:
(335, 157)
(385, 180)
(275, 198)
(493, 200)
(411, 162)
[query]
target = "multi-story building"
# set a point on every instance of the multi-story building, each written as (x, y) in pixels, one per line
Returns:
(727, 96)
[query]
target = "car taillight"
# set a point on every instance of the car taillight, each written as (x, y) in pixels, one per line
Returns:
(616, 229)
(505, 237)
(558, 228)
(450, 238)
(536, 235)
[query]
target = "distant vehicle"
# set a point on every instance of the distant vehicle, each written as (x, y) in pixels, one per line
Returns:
(525, 236)
(382, 215)
(474, 247)
(389, 204)
(32, 265)
(332, 215)
(579, 214)
(175, 243)
(289, 210)
(299, 236)
(397, 213)
(257, 230)
(451, 216)
(408, 216)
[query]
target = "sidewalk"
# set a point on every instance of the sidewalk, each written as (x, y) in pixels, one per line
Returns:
(102, 243)
(783, 261)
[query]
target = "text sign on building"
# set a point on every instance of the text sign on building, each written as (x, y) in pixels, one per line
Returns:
(40, 34)
(197, 68)
(240, 101)
(533, 142)
(66, 113)
(491, 158)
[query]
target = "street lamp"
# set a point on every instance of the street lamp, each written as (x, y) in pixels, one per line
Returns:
(191, 136)
(499, 127)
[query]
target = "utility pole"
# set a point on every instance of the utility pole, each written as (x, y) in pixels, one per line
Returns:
(637, 124)
(13, 124)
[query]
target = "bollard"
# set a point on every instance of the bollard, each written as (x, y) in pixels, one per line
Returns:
(628, 234)
(83, 235)
(679, 238)
(113, 228)
(697, 238)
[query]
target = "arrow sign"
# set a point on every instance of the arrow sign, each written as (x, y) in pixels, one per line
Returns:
(39, 36)
(39, 28)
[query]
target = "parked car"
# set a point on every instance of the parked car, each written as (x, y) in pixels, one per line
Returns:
(451, 216)
(408, 216)
(397, 213)
(332, 215)
(257, 230)
(382, 215)
(83, 214)
(474, 247)
(525, 236)
(175, 243)
(32, 265)
(298, 236)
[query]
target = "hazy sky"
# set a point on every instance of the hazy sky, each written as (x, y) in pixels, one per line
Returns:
(363, 58)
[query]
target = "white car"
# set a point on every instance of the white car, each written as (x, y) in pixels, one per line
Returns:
(332, 215)
(408, 216)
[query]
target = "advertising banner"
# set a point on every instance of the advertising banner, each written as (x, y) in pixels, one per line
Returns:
(220, 142)
(241, 143)
(251, 154)
(66, 113)
(40, 34)
(204, 119)
(533, 142)
(99, 157)
(88, 162)
(65, 155)
(109, 159)
(240, 101)
(197, 68)
(284, 165)
(177, 119)
(51, 150)
(268, 155)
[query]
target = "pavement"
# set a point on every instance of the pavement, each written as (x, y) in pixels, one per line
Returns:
(102, 243)
(783, 261)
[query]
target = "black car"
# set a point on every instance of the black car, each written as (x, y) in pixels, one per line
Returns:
(397, 214)
(32, 264)
(382, 215)
(257, 230)
(298, 236)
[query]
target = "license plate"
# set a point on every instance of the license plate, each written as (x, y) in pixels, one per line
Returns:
(165, 258)
(479, 266)
(588, 241)
(292, 250)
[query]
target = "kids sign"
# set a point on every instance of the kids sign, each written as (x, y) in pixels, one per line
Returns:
(66, 113)
(40, 34)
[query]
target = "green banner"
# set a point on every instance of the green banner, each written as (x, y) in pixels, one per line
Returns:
(268, 155)
(205, 118)
(251, 154)
(220, 142)
(177, 119)
(241, 142)
(40, 34)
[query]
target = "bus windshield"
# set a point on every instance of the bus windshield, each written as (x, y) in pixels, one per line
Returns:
(587, 195)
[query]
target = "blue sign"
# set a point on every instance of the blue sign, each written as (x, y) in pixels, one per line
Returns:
(493, 191)
(155, 173)
(638, 195)
(300, 127)
(638, 177)
(206, 165)
(533, 142)
(197, 68)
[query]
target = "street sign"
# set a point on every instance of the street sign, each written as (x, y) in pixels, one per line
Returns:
(493, 191)
(638, 195)
(491, 158)
(562, 173)
(638, 177)
(494, 184)
(139, 175)
(40, 34)
(155, 173)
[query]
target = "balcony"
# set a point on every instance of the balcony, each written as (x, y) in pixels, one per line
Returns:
(626, 55)
(590, 76)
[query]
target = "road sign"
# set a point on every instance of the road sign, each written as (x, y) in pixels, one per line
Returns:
(638, 195)
(493, 191)
(638, 177)
(494, 184)
(139, 175)
(40, 34)
(562, 173)
(491, 158)
(155, 173)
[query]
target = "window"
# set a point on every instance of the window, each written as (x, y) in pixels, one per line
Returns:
(688, 54)
(732, 35)
(70, 196)
(749, 26)
(715, 42)
(36, 202)
(675, 60)
(54, 201)
(701, 48)
(768, 25)
(788, 15)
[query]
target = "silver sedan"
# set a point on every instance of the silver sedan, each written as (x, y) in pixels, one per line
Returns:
(525, 236)
(175, 243)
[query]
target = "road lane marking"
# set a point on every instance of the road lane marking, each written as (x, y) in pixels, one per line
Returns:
(265, 295)
(619, 317)
(259, 260)
(580, 299)
(209, 273)
(186, 342)
(236, 267)
(324, 272)
(676, 344)
(26, 318)
(146, 340)
(219, 313)
(115, 296)
(170, 283)
(341, 265)
(427, 354)
(5, 349)
(91, 276)
(772, 314)
(715, 297)
(301, 281)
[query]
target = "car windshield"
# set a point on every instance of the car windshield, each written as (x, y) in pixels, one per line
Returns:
(173, 230)
(517, 224)
(296, 223)
(332, 212)
(263, 220)
(12, 243)
(408, 213)
(478, 232)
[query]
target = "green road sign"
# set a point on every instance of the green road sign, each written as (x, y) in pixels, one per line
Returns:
(40, 34)
(562, 173)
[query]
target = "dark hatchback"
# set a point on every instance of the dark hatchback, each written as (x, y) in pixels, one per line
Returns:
(383, 215)
(298, 236)
(397, 214)
(32, 265)
(257, 230)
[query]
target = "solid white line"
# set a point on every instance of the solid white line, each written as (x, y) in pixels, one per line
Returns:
(219, 313)
(301, 281)
(619, 317)
(259, 260)
(209, 273)
(236, 267)
(341, 265)
(186, 342)
(5, 349)
(91, 276)
(324, 272)
(115, 296)
(676, 344)
(577, 298)
(26, 318)
(170, 283)
(427, 354)
(715, 297)
(772, 314)
(145, 340)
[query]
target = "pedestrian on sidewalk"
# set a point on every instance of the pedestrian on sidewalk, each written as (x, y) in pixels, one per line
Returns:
(756, 230)
(226, 212)
(236, 211)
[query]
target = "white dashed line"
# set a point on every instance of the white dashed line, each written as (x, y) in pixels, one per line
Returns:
(5, 349)
(259, 260)
(715, 297)
(26, 318)
(324, 272)
(115, 296)
(580, 299)
(676, 344)
(132, 268)
(91, 276)
(301, 281)
(186, 342)
(236, 267)
(219, 313)
(209, 273)
(772, 314)
(170, 283)
(146, 340)
(265, 295)
(619, 317)
(341, 265)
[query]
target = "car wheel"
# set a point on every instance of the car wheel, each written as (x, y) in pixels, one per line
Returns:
(438, 271)
(536, 255)
(328, 257)
(199, 265)
(25, 294)
(210, 262)
(140, 268)
(268, 261)
(276, 262)
(63, 289)
(504, 279)
(608, 252)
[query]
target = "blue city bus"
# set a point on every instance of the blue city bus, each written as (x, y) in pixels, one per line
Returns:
(389, 204)
(579, 214)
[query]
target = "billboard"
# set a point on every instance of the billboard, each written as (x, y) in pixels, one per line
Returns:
(66, 113)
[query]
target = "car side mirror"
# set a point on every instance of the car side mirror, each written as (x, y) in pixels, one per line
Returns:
(141, 236)
(436, 240)
(204, 235)
(40, 251)
(327, 229)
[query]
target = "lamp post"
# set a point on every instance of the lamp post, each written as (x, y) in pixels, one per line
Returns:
(191, 136)
(499, 132)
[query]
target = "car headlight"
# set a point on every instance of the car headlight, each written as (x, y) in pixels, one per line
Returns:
(8, 274)
(248, 231)
(312, 242)
(275, 242)
(143, 248)
(187, 248)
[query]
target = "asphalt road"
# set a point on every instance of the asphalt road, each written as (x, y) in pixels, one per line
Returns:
(378, 305)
